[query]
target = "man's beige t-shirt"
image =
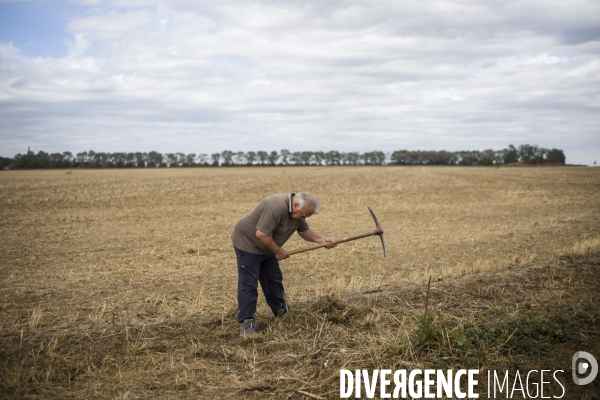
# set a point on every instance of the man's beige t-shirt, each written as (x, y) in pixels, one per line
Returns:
(272, 217)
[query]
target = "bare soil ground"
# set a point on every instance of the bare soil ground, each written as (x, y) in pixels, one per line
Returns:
(121, 284)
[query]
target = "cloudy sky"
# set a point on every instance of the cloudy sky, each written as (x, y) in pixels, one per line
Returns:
(206, 76)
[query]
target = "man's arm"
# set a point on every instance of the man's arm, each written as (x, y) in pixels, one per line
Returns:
(312, 236)
(270, 244)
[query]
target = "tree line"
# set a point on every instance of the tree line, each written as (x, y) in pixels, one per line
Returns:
(526, 154)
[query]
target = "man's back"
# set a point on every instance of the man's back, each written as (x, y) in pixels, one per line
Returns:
(272, 217)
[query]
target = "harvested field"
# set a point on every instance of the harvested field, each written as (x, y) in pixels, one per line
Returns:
(122, 283)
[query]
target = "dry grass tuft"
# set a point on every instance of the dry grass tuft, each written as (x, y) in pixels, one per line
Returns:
(34, 318)
(584, 247)
(97, 316)
(197, 304)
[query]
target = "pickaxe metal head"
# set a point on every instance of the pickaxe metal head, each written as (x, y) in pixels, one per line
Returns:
(379, 230)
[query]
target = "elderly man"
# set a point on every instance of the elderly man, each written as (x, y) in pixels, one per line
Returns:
(258, 239)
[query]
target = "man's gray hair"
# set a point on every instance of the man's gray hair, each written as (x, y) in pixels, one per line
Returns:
(308, 199)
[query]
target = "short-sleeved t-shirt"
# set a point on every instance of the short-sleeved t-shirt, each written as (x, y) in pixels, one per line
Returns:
(272, 217)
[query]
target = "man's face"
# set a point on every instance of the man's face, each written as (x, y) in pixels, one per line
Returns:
(301, 213)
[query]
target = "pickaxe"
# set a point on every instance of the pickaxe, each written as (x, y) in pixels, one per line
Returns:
(377, 231)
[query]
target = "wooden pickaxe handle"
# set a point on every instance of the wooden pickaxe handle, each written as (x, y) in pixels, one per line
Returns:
(337, 241)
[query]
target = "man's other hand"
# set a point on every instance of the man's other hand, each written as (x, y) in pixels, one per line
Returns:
(282, 254)
(330, 242)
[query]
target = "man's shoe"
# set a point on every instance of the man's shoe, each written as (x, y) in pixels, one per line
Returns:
(283, 314)
(249, 328)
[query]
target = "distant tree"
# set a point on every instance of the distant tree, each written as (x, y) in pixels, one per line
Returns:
(262, 156)
(305, 157)
(18, 161)
(273, 156)
(6, 163)
(42, 159)
(444, 158)
(296, 158)
(557, 156)
(215, 157)
(378, 157)
(373, 157)
(526, 154)
(499, 156)
(155, 159)
(419, 157)
(399, 157)
(539, 155)
(68, 159)
(367, 158)
(251, 156)
(318, 157)
(129, 160)
(285, 155)
(140, 159)
(82, 159)
(422, 157)
(333, 157)
(487, 157)
(181, 159)
(351, 158)
(119, 159)
(468, 157)
(227, 156)
(90, 161)
(202, 159)
(170, 159)
(56, 160)
(190, 160)
(240, 158)
(102, 160)
(510, 155)
(26, 161)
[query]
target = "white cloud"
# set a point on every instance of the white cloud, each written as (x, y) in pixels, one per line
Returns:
(8, 50)
(344, 75)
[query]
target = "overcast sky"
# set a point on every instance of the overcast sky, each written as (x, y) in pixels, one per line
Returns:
(207, 76)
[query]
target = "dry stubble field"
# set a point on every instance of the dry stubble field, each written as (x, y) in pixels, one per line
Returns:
(122, 283)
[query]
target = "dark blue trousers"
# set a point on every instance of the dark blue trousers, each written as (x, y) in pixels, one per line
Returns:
(254, 268)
